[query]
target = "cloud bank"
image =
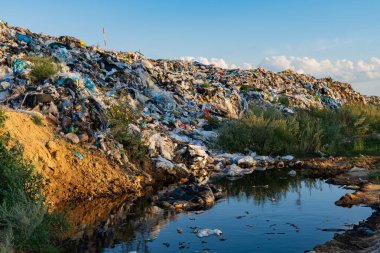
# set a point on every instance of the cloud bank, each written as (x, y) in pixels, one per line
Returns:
(355, 72)
(342, 70)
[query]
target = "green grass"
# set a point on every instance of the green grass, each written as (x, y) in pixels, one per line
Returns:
(351, 130)
(374, 177)
(37, 120)
(214, 122)
(206, 85)
(42, 68)
(25, 223)
(120, 116)
(284, 100)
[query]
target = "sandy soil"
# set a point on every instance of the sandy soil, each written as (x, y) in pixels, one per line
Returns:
(68, 177)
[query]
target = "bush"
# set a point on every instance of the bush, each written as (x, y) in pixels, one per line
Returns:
(3, 117)
(374, 177)
(25, 223)
(284, 100)
(351, 130)
(30, 225)
(214, 122)
(42, 68)
(120, 116)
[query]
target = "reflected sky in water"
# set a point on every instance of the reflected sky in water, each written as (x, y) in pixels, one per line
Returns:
(262, 212)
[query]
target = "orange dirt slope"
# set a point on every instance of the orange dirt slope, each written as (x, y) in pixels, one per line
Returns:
(67, 176)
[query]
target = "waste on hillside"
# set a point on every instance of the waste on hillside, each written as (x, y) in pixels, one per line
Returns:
(177, 100)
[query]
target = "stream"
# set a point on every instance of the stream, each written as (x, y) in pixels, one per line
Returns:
(266, 211)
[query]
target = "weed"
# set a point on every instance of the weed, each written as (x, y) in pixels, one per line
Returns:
(214, 122)
(284, 100)
(120, 116)
(374, 177)
(42, 68)
(37, 120)
(351, 130)
(25, 223)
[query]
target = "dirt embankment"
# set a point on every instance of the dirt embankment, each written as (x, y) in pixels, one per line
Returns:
(70, 171)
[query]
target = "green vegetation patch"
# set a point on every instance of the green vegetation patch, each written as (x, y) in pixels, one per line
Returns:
(37, 120)
(351, 130)
(42, 68)
(374, 176)
(120, 116)
(25, 223)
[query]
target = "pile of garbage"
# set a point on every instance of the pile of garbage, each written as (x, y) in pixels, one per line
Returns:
(178, 100)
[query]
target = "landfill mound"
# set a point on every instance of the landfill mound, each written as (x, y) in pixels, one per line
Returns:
(70, 171)
(177, 100)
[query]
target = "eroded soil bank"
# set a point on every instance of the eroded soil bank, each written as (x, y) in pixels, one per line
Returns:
(71, 172)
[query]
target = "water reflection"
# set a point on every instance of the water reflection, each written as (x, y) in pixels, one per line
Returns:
(262, 186)
(270, 195)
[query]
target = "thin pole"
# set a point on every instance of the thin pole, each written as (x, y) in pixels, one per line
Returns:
(104, 37)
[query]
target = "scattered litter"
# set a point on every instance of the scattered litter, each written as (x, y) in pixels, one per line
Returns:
(79, 155)
(207, 232)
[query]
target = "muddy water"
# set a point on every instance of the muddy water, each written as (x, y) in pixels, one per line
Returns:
(262, 212)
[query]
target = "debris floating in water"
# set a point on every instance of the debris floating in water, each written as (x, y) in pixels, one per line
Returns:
(207, 232)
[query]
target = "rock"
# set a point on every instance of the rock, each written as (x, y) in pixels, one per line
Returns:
(235, 171)
(178, 170)
(72, 137)
(197, 151)
(189, 197)
(246, 162)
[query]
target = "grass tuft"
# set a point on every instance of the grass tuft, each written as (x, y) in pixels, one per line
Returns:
(120, 116)
(42, 68)
(37, 120)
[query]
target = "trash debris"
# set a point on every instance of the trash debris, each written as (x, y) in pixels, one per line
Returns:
(178, 100)
(292, 173)
(207, 232)
(79, 155)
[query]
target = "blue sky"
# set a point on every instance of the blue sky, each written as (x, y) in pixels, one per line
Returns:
(324, 37)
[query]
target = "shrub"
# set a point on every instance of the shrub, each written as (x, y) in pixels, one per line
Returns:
(120, 116)
(42, 68)
(25, 223)
(214, 122)
(284, 100)
(350, 130)
(3, 117)
(374, 177)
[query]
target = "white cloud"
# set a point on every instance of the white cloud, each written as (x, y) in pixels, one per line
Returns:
(219, 62)
(342, 70)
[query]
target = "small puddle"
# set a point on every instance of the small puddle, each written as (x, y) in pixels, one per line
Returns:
(267, 211)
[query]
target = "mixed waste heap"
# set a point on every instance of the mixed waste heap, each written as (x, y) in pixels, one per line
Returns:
(176, 98)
